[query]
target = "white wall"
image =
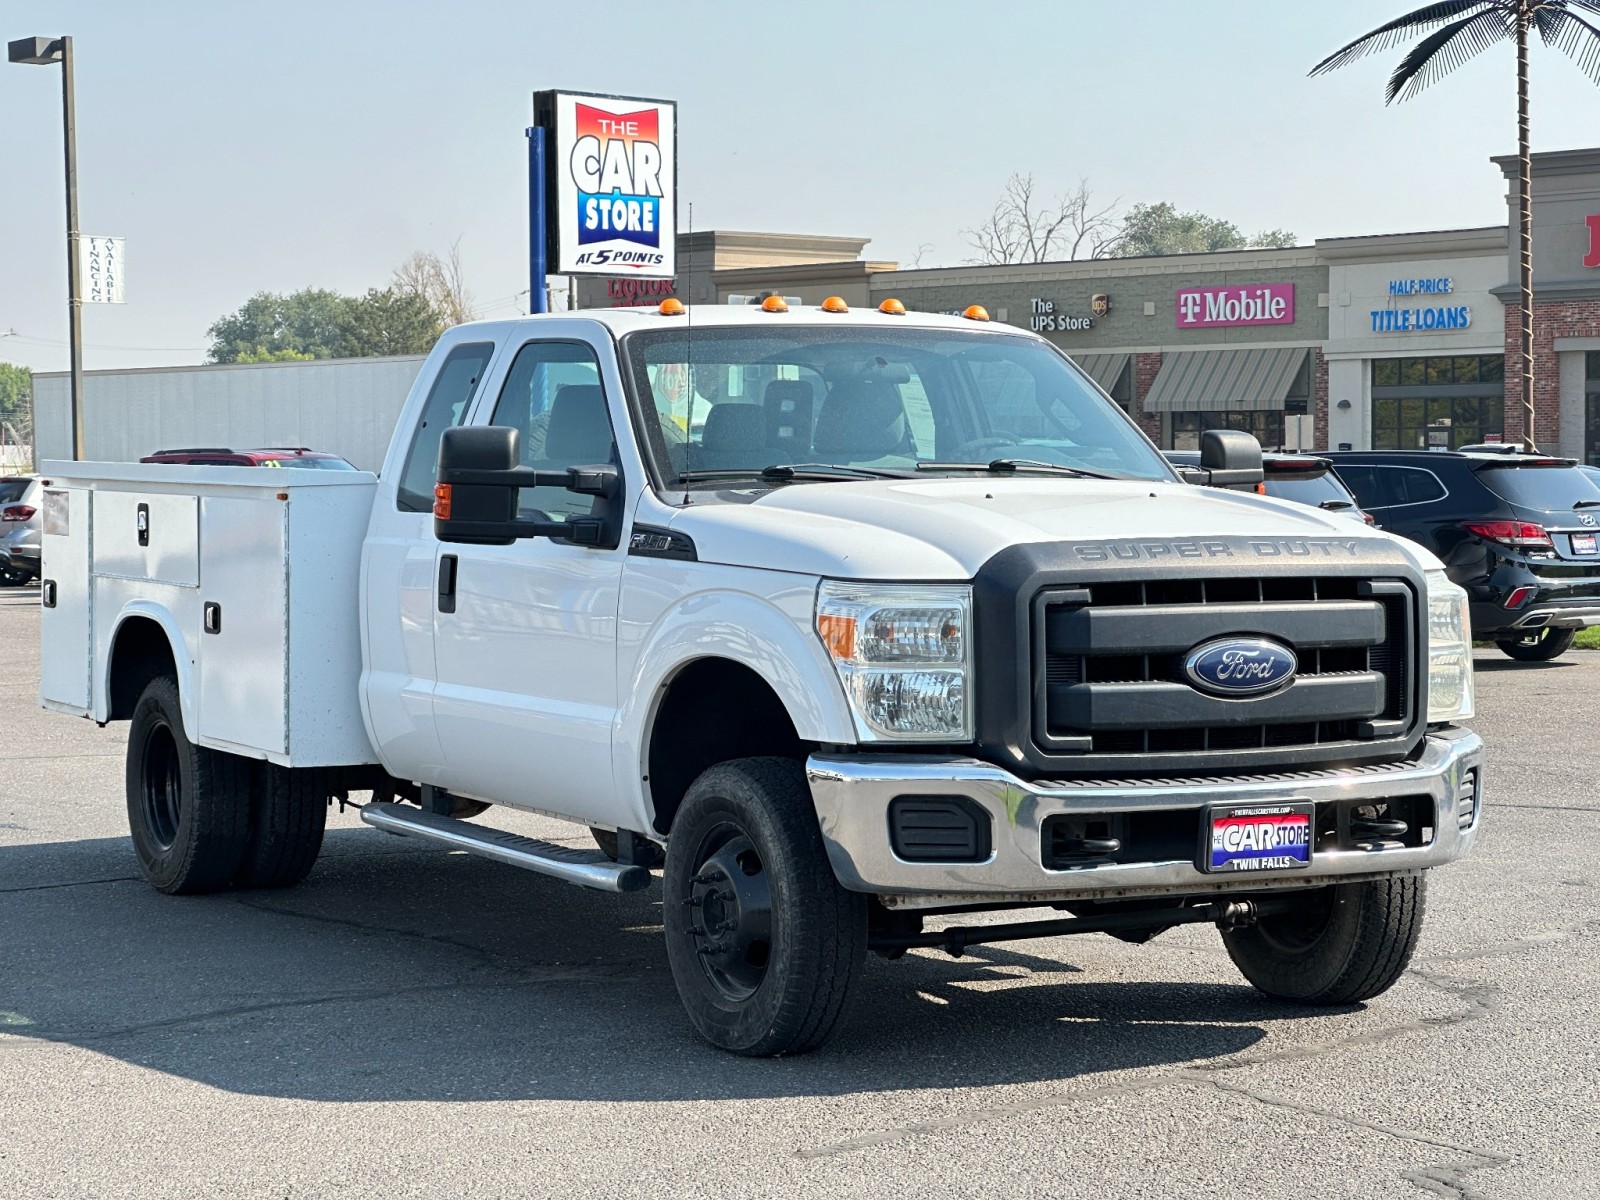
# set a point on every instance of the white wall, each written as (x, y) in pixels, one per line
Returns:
(345, 406)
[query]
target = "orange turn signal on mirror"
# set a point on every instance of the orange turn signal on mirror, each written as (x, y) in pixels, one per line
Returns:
(976, 312)
(835, 304)
(671, 307)
(441, 502)
(774, 304)
(893, 307)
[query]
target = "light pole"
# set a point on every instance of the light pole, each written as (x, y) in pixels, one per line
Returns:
(44, 52)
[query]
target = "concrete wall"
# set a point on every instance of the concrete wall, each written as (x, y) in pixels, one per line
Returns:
(345, 406)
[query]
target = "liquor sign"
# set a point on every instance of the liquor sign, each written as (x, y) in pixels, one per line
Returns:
(1243, 304)
(611, 167)
(100, 269)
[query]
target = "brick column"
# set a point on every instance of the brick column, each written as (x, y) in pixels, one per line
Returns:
(1552, 319)
(1319, 401)
(1145, 369)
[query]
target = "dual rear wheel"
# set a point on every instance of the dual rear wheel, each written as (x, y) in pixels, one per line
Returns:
(203, 820)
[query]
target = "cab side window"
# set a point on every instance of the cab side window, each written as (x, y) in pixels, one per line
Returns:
(446, 406)
(552, 396)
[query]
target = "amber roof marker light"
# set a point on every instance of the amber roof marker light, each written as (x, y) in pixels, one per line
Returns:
(774, 304)
(976, 312)
(893, 307)
(671, 307)
(835, 304)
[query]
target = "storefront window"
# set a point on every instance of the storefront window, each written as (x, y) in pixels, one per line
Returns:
(1121, 390)
(1267, 427)
(1439, 403)
(1591, 429)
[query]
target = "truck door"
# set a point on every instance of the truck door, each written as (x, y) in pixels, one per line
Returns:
(525, 639)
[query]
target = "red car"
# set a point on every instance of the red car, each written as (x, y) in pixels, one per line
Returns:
(270, 456)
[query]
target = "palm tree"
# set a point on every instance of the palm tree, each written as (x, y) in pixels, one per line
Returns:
(1463, 29)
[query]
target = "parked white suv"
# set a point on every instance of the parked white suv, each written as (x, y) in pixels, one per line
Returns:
(19, 529)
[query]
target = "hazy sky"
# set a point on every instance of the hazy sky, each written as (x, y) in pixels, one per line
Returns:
(248, 147)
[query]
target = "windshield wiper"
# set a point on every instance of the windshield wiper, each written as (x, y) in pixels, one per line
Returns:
(784, 472)
(1587, 504)
(1335, 505)
(1007, 466)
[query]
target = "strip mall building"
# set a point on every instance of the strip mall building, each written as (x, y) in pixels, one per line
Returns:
(1392, 341)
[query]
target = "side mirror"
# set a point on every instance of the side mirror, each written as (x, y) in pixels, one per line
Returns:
(1230, 458)
(480, 477)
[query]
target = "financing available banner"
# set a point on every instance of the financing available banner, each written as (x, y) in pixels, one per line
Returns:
(612, 169)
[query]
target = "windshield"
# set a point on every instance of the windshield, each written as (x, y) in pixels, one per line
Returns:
(1553, 489)
(305, 463)
(736, 400)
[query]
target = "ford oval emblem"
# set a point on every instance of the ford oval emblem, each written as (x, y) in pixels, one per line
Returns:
(1240, 666)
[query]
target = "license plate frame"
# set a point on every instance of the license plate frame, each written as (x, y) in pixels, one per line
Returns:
(1294, 826)
(1585, 543)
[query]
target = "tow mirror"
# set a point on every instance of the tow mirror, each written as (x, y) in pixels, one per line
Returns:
(480, 478)
(1230, 458)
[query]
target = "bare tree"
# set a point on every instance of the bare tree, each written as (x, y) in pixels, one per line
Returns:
(439, 282)
(1026, 228)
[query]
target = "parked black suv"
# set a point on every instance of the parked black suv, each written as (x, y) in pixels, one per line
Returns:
(1521, 532)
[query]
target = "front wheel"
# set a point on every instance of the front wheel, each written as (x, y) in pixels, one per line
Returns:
(1341, 945)
(764, 944)
(1540, 646)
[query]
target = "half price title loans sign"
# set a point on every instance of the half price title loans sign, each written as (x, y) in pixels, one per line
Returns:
(612, 163)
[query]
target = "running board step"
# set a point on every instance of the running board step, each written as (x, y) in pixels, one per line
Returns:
(587, 868)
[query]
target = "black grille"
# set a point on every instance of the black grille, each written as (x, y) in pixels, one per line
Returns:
(945, 829)
(1114, 685)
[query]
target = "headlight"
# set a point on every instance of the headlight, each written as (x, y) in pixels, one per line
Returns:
(904, 655)
(1450, 691)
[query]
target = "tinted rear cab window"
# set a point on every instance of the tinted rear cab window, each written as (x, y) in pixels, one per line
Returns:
(1314, 490)
(1552, 489)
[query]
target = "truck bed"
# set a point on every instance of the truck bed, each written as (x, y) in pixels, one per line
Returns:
(253, 575)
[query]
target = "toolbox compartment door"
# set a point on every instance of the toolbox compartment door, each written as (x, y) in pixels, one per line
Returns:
(64, 670)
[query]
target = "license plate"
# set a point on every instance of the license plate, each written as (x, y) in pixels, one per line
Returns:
(1583, 543)
(1257, 837)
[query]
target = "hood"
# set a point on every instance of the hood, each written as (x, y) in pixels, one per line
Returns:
(945, 529)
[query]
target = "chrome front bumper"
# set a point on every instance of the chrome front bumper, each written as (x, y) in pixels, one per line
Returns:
(852, 796)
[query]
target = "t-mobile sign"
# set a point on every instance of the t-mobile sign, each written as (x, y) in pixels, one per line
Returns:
(1247, 304)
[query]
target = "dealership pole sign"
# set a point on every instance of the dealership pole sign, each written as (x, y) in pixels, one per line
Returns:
(610, 188)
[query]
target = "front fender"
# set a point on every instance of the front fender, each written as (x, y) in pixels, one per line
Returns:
(717, 613)
(182, 657)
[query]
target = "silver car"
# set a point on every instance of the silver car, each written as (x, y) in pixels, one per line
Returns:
(20, 522)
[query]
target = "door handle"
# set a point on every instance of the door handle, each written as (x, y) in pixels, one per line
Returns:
(447, 583)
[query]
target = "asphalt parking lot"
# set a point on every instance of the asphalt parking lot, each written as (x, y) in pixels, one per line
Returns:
(411, 1022)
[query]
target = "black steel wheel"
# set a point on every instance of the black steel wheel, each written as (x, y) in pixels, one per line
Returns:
(188, 807)
(1539, 646)
(764, 944)
(1341, 945)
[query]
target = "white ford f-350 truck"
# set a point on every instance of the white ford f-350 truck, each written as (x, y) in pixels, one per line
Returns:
(846, 621)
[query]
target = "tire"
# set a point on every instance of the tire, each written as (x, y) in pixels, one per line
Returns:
(288, 812)
(747, 829)
(1539, 647)
(645, 852)
(14, 577)
(1348, 943)
(188, 807)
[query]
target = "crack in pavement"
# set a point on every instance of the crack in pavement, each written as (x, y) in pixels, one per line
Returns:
(1480, 1000)
(71, 883)
(1444, 1180)
(1583, 808)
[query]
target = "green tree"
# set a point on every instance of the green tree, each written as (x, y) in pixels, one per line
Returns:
(1463, 29)
(387, 322)
(305, 322)
(1162, 229)
(16, 391)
